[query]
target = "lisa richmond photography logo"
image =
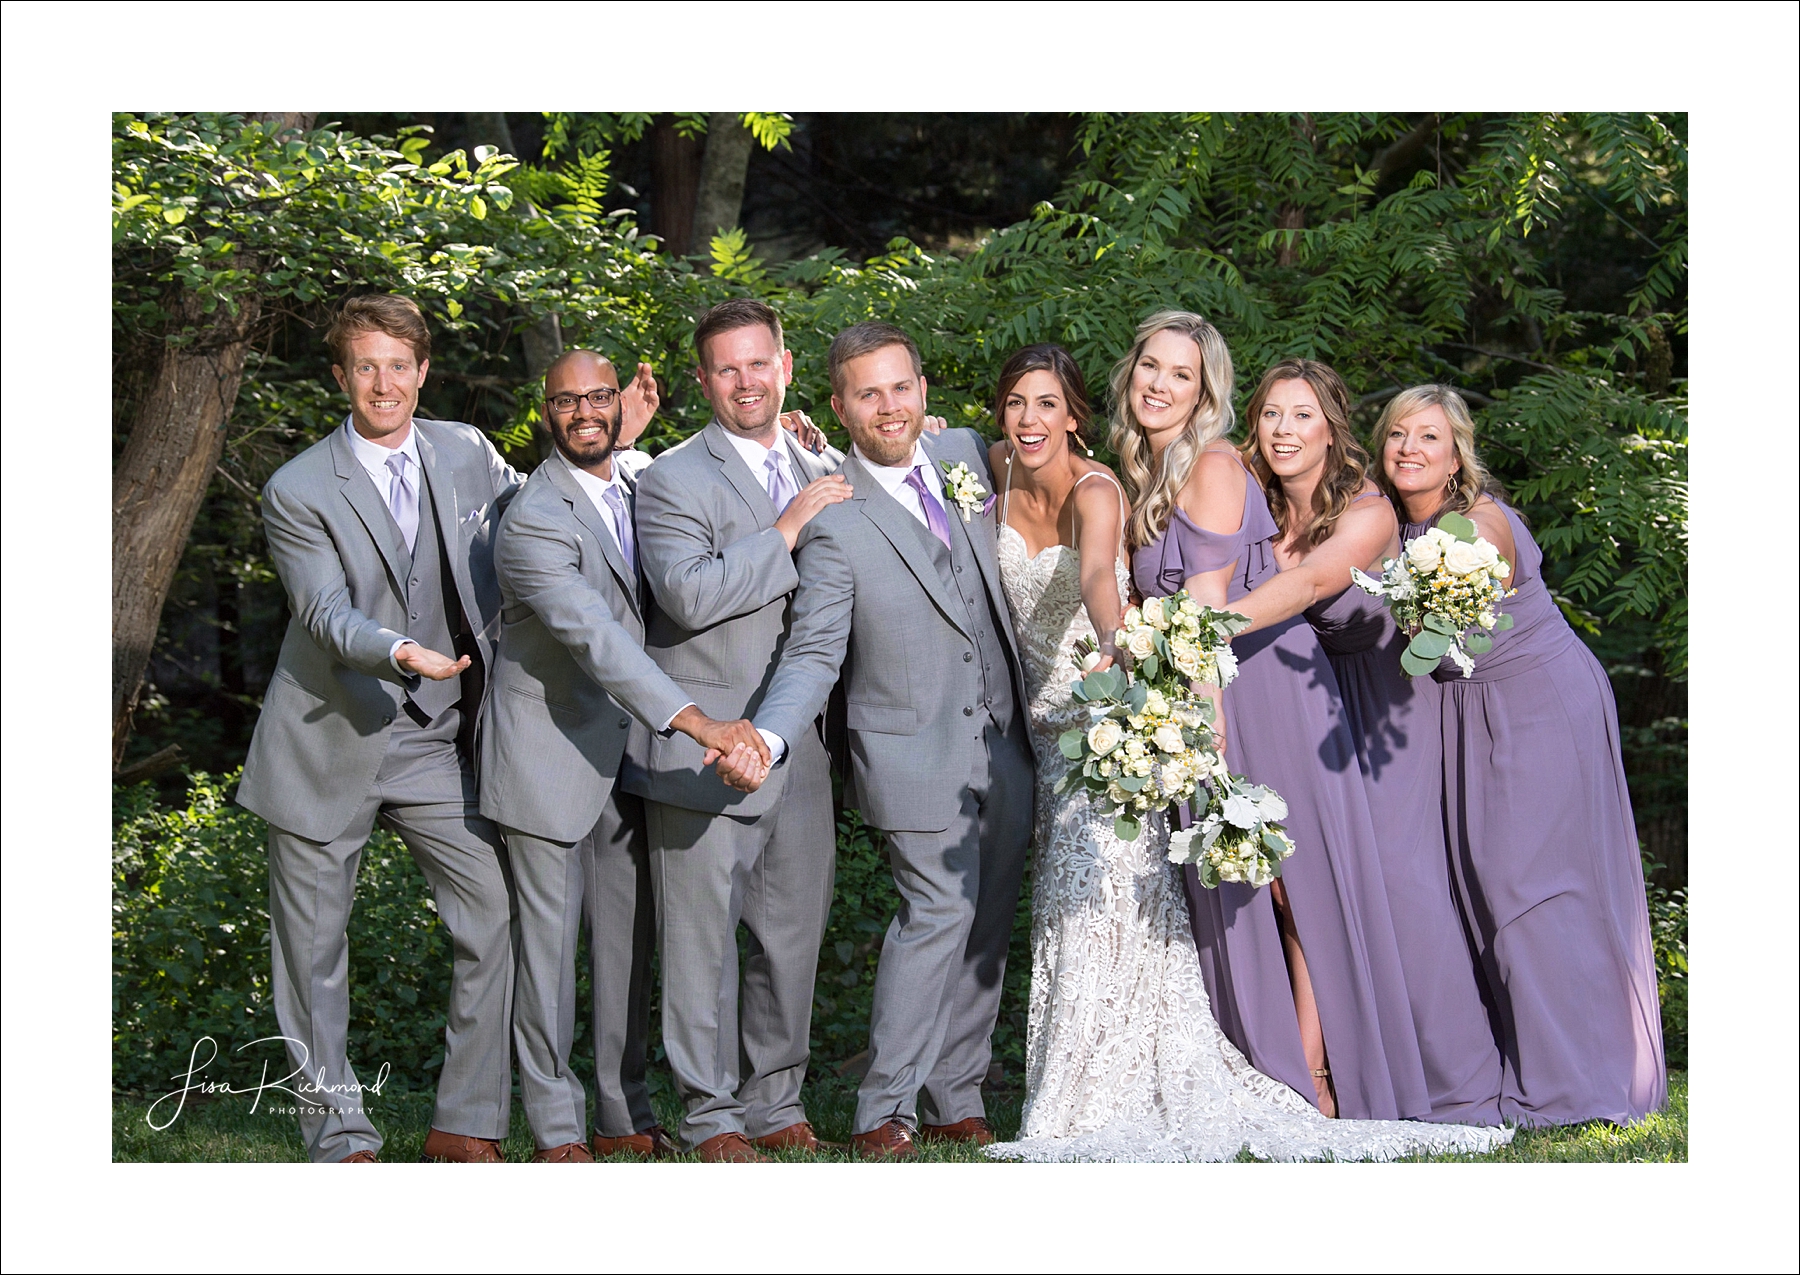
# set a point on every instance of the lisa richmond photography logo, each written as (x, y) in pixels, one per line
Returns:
(294, 1094)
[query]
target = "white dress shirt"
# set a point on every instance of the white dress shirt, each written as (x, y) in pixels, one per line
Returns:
(893, 481)
(374, 458)
(756, 456)
(594, 488)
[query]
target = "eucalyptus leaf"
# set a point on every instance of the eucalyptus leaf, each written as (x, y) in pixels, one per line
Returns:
(1438, 624)
(1072, 743)
(1457, 525)
(1478, 643)
(1126, 828)
(1416, 665)
(1430, 645)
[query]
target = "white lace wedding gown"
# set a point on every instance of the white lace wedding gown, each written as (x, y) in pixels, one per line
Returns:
(1123, 1058)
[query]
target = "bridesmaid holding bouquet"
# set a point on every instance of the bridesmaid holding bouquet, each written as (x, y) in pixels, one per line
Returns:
(1305, 977)
(1544, 852)
(1333, 517)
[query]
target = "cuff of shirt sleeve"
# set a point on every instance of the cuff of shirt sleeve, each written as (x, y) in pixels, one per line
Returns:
(777, 745)
(666, 729)
(395, 651)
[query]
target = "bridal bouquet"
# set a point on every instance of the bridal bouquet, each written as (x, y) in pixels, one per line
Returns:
(1444, 590)
(1142, 750)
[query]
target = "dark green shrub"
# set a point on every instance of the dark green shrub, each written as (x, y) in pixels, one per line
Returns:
(1668, 935)
(191, 943)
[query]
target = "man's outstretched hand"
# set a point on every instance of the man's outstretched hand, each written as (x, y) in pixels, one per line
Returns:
(413, 658)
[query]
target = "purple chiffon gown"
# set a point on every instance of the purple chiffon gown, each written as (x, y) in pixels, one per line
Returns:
(1395, 722)
(1285, 727)
(1544, 855)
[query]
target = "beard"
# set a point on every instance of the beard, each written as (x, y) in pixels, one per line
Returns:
(883, 450)
(755, 420)
(594, 448)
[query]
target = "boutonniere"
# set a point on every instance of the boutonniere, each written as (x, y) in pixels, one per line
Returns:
(966, 490)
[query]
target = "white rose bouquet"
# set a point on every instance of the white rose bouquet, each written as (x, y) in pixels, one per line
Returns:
(1140, 752)
(1175, 640)
(1239, 836)
(1443, 591)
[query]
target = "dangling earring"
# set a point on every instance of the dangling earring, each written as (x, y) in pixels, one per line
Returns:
(1452, 485)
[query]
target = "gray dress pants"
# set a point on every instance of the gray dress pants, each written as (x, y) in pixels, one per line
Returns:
(605, 876)
(740, 1071)
(937, 987)
(425, 794)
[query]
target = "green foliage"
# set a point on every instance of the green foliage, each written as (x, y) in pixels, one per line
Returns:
(1668, 936)
(191, 942)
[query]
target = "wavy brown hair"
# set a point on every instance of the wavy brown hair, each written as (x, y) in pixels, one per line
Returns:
(1153, 482)
(1060, 364)
(1347, 465)
(1470, 482)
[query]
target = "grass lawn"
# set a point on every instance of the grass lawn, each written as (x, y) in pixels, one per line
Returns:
(225, 1130)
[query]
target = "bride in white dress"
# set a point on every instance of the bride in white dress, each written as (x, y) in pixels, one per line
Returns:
(1123, 1058)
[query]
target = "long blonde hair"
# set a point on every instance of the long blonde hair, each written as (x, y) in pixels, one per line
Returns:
(1468, 484)
(1153, 482)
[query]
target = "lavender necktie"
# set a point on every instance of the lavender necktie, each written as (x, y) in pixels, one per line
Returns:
(403, 499)
(781, 487)
(615, 501)
(934, 512)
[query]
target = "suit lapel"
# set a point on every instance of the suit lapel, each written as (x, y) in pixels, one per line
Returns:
(904, 533)
(807, 467)
(589, 517)
(739, 475)
(447, 508)
(359, 489)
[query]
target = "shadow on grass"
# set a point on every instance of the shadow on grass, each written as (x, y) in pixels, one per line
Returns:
(226, 1130)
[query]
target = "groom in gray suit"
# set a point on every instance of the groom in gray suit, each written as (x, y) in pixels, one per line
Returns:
(718, 517)
(900, 589)
(380, 534)
(575, 701)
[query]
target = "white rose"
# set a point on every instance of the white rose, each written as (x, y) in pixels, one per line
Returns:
(1190, 607)
(1133, 618)
(1489, 555)
(1185, 656)
(1155, 705)
(1168, 738)
(1153, 613)
(1499, 569)
(1463, 559)
(1104, 736)
(1141, 642)
(1424, 553)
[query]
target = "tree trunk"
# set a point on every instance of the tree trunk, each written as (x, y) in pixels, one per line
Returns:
(162, 477)
(725, 165)
(542, 339)
(674, 181)
(1290, 217)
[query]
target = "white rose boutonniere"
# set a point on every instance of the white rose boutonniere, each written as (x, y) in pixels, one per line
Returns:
(961, 485)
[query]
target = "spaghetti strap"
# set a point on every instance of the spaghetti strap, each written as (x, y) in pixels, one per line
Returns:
(1006, 488)
(1118, 490)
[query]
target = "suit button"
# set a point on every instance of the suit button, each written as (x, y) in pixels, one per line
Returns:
(624, 723)
(414, 581)
(968, 656)
(415, 615)
(959, 568)
(968, 712)
(389, 720)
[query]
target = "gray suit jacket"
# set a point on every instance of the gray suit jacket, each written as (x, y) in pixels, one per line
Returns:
(332, 700)
(722, 577)
(571, 672)
(872, 603)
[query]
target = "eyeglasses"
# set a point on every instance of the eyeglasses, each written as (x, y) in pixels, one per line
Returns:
(599, 399)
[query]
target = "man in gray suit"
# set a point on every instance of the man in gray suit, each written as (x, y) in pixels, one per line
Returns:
(571, 685)
(718, 517)
(900, 589)
(380, 534)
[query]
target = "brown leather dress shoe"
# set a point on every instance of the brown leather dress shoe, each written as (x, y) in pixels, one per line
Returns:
(360, 1157)
(729, 1148)
(892, 1141)
(975, 1129)
(457, 1148)
(567, 1153)
(796, 1137)
(653, 1143)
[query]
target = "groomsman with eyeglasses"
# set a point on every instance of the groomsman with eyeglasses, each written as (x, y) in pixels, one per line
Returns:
(381, 536)
(718, 517)
(575, 707)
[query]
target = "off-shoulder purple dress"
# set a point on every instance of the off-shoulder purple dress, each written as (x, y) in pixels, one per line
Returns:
(1544, 855)
(1285, 727)
(1396, 723)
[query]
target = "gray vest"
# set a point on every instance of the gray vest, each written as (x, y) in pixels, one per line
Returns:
(959, 570)
(433, 613)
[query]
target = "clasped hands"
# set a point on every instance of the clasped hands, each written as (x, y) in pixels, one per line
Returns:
(742, 756)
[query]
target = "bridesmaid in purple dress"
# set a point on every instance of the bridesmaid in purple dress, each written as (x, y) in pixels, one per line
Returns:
(1315, 475)
(1544, 851)
(1304, 977)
